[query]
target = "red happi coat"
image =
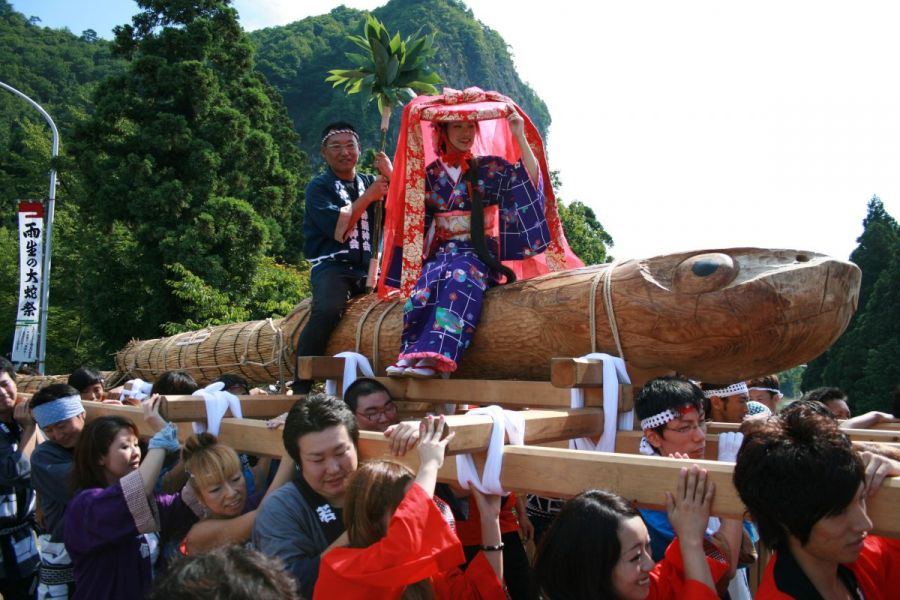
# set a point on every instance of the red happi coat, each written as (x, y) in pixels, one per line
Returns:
(667, 580)
(877, 572)
(419, 545)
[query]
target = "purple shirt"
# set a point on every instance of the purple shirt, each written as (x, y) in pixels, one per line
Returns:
(104, 535)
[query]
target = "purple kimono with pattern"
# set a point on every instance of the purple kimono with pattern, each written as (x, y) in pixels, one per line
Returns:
(110, 536)
(445, 307)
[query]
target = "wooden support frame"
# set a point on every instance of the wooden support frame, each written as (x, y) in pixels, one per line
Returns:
(193, 408)
(627, 442)
(883, 436)
(586, 373)
(506, 393)
(564, 473)
(473, 433)
(547, 471)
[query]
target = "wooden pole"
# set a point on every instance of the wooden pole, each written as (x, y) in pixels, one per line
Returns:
(547, 471)
(473, 433)
(193, 408)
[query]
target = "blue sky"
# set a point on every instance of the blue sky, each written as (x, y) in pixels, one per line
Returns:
(99, 15)
(684, 125)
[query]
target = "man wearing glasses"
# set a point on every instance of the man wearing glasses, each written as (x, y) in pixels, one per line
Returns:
(372, 405)
(337, 240)
(671, 410)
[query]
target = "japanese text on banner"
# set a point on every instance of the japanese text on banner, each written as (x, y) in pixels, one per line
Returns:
(31, 252)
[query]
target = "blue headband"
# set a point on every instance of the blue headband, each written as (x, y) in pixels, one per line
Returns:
(58, 410)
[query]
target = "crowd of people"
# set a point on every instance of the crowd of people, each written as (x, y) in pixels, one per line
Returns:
(105, 509)
(322, 524)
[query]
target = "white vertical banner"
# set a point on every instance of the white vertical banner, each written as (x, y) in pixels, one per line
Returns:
(31, 252)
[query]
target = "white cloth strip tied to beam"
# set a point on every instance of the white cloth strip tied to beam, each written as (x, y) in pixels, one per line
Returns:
(614, 373)
(218, 401)
(510, 422)
(353, 361)
(140, 389)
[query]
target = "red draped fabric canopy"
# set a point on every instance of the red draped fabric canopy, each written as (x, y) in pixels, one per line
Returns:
(404, 228)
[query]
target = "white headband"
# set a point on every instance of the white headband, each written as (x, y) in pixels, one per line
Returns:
(659, 419)
(337, 131)
(670, 414)
(731, 390)
(775, 391)
(57, 410)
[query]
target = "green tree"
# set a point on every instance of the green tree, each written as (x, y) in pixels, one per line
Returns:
(863, 361)
(586, 236)
(59, 71)
(790, 381)
(191, 169)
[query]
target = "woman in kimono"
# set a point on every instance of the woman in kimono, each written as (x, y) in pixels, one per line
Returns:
(114, 523)
(401, 542)
(483, 199)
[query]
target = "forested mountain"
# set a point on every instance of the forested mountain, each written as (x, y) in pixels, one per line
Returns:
(296, 59)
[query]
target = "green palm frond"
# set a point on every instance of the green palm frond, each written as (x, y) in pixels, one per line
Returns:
(392, 69)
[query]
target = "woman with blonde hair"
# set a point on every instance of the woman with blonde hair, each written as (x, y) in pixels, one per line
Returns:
(401, 544)
(214, 473)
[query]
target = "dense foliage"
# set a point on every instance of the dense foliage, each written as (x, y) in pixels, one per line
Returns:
(60, 71)
(863, 362)
(179, 175)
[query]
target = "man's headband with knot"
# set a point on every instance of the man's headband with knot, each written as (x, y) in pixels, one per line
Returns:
(337, 131)
(670, 414)
(775, 391)
(732, 390)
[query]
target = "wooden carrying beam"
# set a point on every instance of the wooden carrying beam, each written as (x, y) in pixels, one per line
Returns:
(884, 436)
(564, 473)
(473, 433)
(627, 442)
(193, 408)
(548, 471)
(512, 393)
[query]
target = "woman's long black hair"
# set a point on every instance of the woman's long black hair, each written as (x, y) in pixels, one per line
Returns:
(478, 238)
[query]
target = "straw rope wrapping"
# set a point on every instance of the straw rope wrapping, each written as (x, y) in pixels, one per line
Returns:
(606, 277)
(203, 360)
(362, 321)
(376, 336)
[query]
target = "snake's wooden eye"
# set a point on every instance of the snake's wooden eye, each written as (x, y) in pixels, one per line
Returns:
(704, 273)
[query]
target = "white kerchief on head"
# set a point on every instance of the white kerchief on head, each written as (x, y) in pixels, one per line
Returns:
(775, 391)
(57, 410)
(731, 390)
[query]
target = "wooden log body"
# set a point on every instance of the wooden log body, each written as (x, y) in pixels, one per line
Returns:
(715, 315)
